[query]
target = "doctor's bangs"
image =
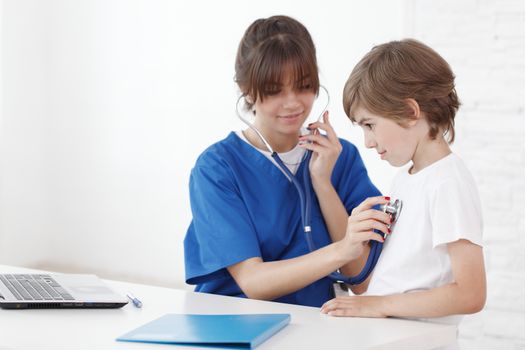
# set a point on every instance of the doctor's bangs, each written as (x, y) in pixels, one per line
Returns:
(283, 59)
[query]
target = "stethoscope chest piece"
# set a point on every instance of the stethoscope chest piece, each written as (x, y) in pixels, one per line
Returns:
(393, 208)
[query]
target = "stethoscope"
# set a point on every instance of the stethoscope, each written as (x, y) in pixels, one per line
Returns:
(393, 207)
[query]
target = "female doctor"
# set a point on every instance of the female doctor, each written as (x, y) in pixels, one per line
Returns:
(246, 238)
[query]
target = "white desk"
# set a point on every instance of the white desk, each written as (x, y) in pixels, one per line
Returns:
(97, 329)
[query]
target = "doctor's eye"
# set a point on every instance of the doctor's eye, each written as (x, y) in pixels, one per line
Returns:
(271, 90)
(304, 85)
(307, 86)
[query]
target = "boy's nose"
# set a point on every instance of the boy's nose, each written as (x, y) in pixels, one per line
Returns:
(370, 142)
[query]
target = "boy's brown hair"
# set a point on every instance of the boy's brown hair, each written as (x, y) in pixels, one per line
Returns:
(396, 71)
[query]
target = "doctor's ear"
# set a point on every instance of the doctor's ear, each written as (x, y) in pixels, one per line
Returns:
(412, 111)
(249, 99)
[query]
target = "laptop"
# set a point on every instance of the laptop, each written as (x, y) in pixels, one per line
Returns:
(46, 291)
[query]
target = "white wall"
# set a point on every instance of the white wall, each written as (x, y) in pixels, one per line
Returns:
(485, 43)
(107, 104)
(1, 97)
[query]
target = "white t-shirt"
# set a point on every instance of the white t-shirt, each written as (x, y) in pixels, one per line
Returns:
(440, 205)
(292, 159)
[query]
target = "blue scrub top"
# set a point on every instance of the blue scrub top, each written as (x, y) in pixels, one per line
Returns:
(243, 206)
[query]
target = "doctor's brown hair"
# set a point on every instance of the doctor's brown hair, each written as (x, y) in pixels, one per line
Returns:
(270, 49)
(393, 72)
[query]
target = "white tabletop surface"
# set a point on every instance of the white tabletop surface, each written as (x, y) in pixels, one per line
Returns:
(309, 329)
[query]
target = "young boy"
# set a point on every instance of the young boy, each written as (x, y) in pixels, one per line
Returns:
(402, 95)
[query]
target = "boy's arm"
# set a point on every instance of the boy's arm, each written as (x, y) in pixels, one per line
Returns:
(465, 295)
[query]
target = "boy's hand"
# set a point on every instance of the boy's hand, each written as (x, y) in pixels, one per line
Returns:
(355, 306)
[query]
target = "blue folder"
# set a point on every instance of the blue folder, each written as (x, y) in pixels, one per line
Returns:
(238, 331)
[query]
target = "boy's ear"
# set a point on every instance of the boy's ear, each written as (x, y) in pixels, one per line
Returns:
(413, 111)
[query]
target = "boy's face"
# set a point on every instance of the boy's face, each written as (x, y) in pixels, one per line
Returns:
(393, 143)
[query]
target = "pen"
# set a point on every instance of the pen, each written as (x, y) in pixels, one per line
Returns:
(134, 300)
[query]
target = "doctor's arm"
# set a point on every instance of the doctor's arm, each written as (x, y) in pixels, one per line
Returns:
(270, 280)
(330, 204)
(466, 295)
(326, 152)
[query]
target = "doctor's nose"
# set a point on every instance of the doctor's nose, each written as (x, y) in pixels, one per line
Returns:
(290, 99)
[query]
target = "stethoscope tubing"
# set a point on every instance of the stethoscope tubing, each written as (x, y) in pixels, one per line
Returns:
(306, 200)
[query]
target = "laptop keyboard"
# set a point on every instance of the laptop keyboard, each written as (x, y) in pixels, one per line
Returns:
(34, 287)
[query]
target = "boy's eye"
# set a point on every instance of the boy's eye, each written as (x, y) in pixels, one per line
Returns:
(306, 86)
(368, 126)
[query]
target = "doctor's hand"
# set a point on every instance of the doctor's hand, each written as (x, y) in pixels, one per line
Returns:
(361, 225)
(356, 306)
(326, 150)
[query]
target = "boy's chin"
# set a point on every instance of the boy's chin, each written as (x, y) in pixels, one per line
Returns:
(398, 163)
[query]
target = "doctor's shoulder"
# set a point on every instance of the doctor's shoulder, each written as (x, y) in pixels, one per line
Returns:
(349, 153)
(220, 155)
